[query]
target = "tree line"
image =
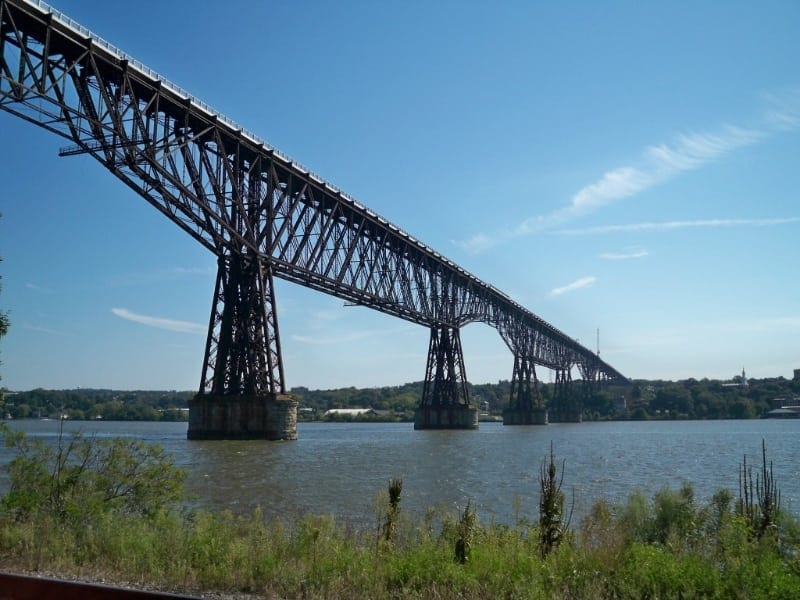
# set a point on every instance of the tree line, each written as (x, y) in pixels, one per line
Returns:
(90, 404)
(637, 399)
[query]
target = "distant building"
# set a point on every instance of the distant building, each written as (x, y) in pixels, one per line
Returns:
(792, 403)
(784, 408)
(350, 412)
(738, 381)
(797, 374)
(782, 413)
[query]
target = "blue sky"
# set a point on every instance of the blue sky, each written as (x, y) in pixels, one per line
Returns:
(630, 167)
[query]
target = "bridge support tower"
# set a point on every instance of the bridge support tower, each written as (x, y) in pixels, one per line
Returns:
(566, 407)
(445, 398)
(242, 394)
(525, 405)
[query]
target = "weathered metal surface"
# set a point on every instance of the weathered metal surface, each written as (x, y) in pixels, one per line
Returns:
(445, 376)
(25, 587)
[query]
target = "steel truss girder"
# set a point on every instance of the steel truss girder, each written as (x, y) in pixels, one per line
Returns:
(243, 354)
(235, 194)
(445, 377)
(565, 400)
(525, 393)
(591, 376)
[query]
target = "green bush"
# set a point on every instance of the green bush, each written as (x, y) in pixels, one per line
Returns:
(81, 478)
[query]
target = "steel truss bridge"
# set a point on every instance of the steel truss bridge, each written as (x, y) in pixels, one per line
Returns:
(264, 216)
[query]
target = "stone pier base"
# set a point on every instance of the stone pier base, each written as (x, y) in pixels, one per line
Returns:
(520, 416)
(267, 417)
(446, 417)
(566, 416)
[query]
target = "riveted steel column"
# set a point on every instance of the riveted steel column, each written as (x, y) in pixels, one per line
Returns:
(445, 399)
(242, 395)
(525, 404)
(566, 407)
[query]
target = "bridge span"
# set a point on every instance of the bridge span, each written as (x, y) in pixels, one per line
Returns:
(264, 216)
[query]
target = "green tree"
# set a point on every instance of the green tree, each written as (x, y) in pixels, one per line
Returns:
(3, 330)
(79, 478)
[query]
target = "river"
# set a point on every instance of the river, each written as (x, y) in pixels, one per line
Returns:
(338, 468)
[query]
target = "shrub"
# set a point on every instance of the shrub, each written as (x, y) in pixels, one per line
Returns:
(81, 478)
(552, 523)
(465, 533)
(761, 507)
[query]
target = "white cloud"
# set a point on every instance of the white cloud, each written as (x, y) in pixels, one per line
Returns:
(783, 110)
(671, 225)
(159, 322)
(40, 329)
(656, 165)
(478, 242)
(159, 275)
(350, 337)
(37, 288)
(765, 325)
(627, 255)
(327, 315)
(575, 285)
(322, 341)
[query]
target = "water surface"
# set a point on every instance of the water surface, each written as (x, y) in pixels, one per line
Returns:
(337, 468)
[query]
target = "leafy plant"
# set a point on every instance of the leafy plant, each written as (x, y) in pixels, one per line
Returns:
(80, 478)
(465, 533)
(3, 331)
(390, 526)
(761, 507)
(552, 523)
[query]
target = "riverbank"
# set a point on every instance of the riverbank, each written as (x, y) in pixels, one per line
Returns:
(658, 548)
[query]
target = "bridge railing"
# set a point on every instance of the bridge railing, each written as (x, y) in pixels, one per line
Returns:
(176, 89)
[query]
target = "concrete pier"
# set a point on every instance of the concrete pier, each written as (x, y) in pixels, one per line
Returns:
(521, 416)
(266, 417)
(574, 415)
(446, 417)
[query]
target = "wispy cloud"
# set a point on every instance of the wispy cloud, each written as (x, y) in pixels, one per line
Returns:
(659, 164)
(763, 325)
(671, 225)
(37, 288)
(783, 109)
(627, 255)
(327, 315)
(575, 285)
(160, 275)
(656, 165)
(349, 337)
(159, 322)
(41, 329)
(187, 271)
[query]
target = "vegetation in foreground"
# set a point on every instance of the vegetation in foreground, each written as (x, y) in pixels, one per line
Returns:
(113, 509)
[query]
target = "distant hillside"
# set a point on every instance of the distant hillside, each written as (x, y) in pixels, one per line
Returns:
(640, 399)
